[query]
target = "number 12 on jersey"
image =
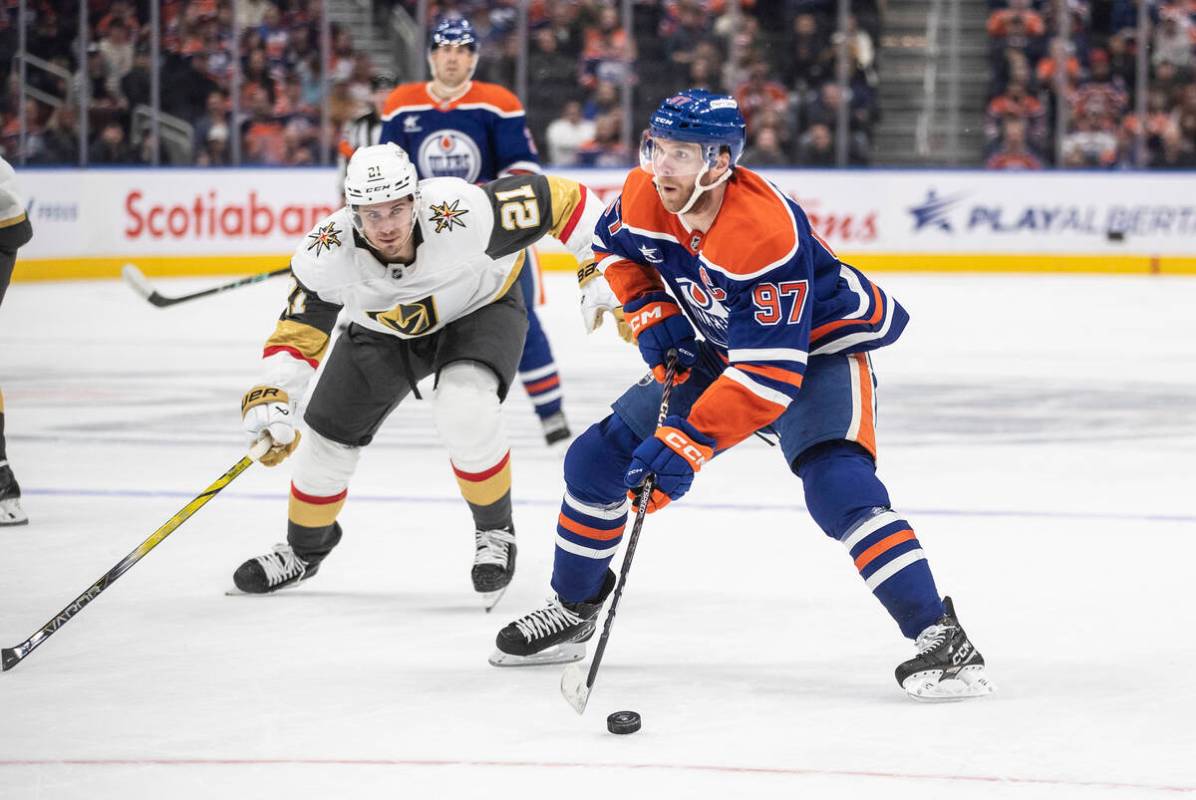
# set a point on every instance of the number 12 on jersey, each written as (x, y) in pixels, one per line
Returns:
(770, 300)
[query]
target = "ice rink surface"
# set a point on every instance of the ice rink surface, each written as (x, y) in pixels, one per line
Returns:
(1038, 431)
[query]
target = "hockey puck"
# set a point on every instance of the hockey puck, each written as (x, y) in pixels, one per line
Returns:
(623, 722)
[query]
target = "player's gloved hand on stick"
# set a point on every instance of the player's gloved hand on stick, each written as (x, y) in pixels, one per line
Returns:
(266, 411)
(659, 326)
(597, 298)
(674, 455)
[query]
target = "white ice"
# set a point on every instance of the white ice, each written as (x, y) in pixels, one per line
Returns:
(1038, 431)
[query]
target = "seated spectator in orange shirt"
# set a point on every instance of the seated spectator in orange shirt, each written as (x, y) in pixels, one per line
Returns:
(1046, 65)
(1016, 101)
(1103, 94)
(999, 21)
(758, 93)
(1014, 153)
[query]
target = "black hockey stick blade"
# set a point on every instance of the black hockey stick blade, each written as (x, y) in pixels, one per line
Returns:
(140, 284)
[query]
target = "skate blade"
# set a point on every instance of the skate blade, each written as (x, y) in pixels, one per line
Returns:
(559, 654)
(490, 599)
(574, 689)
(930, 688)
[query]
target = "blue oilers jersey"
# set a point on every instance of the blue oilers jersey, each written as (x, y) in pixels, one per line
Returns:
(758, 285)
(478, 137)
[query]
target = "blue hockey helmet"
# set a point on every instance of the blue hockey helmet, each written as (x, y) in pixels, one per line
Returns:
(454, 31)
(702, 117)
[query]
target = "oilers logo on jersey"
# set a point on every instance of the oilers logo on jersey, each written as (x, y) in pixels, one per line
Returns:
(703, 305)
(449, 153)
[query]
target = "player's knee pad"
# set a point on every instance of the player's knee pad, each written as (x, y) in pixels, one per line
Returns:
(840, 485)
(323, 467)
(469, 415)
(598, 458)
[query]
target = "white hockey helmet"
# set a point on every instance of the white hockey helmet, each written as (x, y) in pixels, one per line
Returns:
(378, 174)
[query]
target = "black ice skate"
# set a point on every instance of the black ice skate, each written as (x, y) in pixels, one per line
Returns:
(493, 563)
(948, 666)
(275, 570)
(556, 428)
(555, 634)
(10, 499)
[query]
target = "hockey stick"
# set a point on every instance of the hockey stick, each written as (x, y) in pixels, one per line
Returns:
(11, 656)
(136, 279)
(575, 685)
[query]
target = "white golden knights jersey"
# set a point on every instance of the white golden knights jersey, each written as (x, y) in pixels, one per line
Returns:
(12, 207)
(469, 252)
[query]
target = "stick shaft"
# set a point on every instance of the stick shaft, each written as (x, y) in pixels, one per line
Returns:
(633, 539)
(161, 301)
(11, 656)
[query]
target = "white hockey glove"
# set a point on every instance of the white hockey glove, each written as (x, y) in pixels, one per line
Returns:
(597, 298)
(266, 412)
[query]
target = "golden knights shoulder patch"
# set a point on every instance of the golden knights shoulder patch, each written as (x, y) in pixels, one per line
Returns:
(446, 216)
(409, 319)
(325, 237)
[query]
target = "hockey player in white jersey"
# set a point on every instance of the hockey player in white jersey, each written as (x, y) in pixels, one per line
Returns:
(427, 273)
(15, 232)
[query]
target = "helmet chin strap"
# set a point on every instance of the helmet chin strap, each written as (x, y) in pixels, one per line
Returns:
(699, 188)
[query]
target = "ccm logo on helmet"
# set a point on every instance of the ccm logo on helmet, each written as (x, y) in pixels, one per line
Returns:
(686, 448)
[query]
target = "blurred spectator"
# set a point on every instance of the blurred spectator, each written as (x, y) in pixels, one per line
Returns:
(1091, 144)
(116, 49)
(1045, 71)
(608, 53)
(250, 12)
(765, 150)
(110, 147)
(1103, 94)
(215, 114)
(262, 138)
(810, 58)
(567, 134)
(1020, 16)
(604, 100)
(825, 111)
(1017, 102)
(1014, 153)
(1176, 152)
(1156, 123)
(215, 149)
(605, 149)
(682, 25)
(135, 85)
(817, 147)
(1172, 39)
(60, 142)
(758, 93)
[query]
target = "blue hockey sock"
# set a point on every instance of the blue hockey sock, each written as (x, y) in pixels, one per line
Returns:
(850, 504)
(594, 509)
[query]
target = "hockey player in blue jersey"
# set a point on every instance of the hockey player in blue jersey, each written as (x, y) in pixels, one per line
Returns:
(697, 245)
(457, 127)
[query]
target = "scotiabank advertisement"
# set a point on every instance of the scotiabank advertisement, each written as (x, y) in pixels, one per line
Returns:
(181, 214)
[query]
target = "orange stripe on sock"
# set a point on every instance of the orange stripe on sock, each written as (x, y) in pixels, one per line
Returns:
(884, 545)
(573, 526)
(542, 385)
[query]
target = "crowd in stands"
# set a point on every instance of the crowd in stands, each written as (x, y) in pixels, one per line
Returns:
(280, 88)
(1098, 83)
(777, 58)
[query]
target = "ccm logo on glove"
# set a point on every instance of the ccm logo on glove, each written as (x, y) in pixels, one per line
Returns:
(696, 455)
(650, 315)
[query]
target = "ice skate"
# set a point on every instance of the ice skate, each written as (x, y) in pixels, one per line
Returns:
(948, 666)
(493, 564)
(555, 634)
(556, 429)
(10, 499)
(278, 569)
